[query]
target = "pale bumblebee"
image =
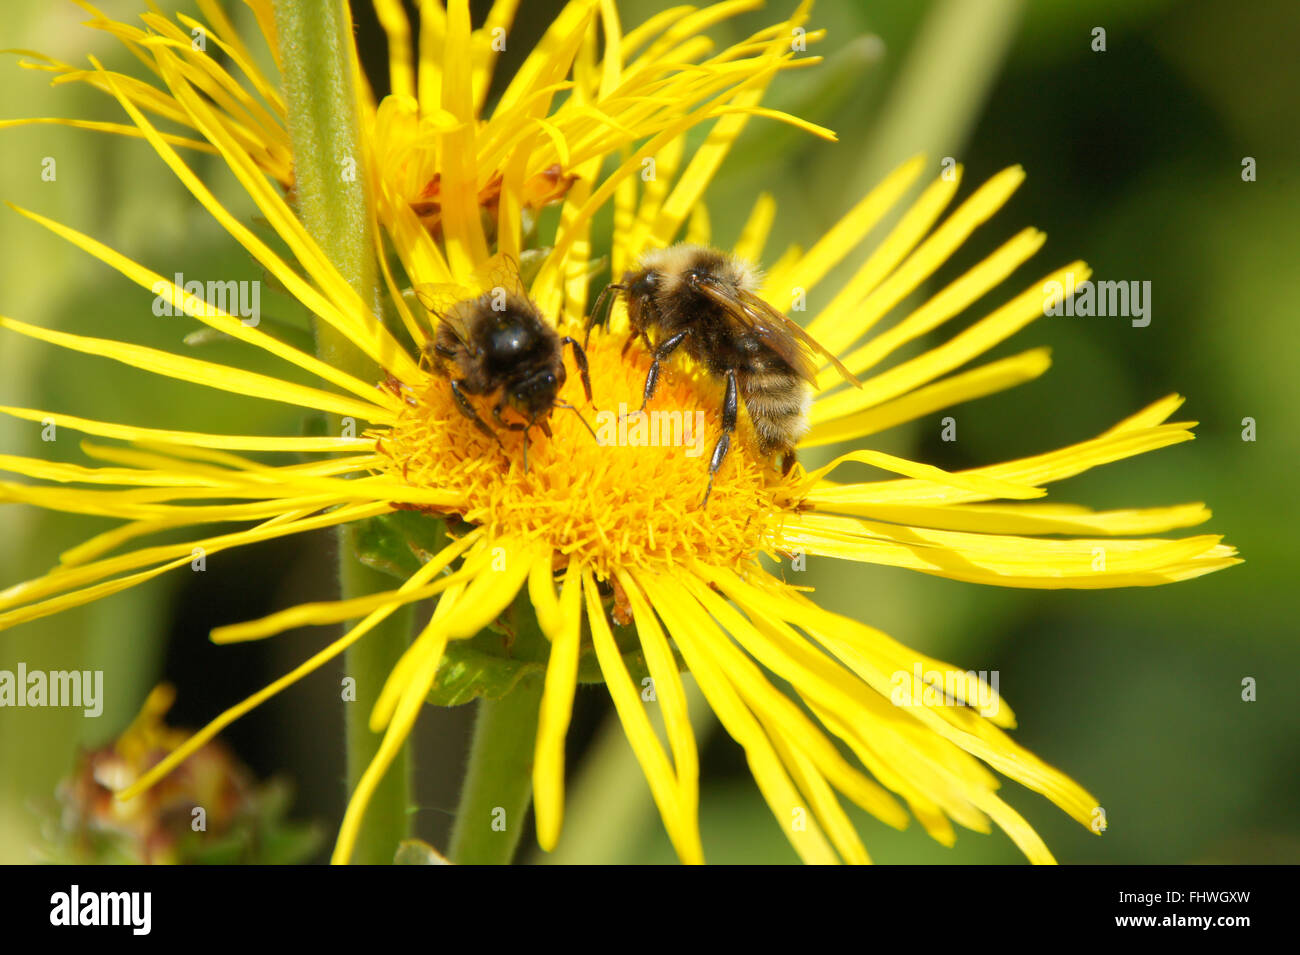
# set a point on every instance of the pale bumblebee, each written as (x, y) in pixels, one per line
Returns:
(706, 303)
(499, 344)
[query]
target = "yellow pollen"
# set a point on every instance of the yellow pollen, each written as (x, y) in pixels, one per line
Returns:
(631, 500)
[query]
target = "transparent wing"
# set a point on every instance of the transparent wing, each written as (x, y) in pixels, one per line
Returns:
(440, 300)
(784, 336)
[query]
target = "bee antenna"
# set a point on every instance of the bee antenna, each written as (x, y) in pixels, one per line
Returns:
(586, 424)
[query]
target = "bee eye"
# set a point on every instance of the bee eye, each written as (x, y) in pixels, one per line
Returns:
(644, 284)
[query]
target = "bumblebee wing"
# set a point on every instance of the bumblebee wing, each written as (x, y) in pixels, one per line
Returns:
(784, 336)
(440, 299)
(503, 272)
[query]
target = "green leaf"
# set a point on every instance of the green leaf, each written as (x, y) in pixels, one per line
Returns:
(494, 663)
(467, 672)
(399, 543)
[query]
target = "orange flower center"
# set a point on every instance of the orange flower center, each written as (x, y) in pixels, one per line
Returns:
(628, 496)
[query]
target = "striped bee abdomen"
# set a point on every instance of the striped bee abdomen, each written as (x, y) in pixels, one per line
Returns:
(778, 403)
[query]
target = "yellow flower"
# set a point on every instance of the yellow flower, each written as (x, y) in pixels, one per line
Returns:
(247, 104)
(433, 152)
(597, 520)
(436, 157)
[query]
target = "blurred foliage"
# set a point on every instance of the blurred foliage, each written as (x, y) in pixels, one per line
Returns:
(1134, 161)
(210, 811)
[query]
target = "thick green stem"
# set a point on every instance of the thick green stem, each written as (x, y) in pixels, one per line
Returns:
(499, 779)
(369, 662)
(330, 187)
(498, 784)
(328, 164)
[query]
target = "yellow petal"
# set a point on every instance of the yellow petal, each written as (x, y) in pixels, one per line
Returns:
(556, 710)
(221, 377)
(985, 380)
(640, 734)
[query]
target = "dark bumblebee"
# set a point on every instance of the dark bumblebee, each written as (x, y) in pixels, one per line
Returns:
(706, 303)
(499, 344)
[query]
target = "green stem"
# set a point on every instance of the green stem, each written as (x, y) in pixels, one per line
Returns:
(317, 60)
(330, 183)
(499, 779)
(498, 784)
(369, 661)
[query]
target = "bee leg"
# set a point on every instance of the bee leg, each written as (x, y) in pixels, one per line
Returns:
(596, 318)
(729, 411)
(652, 377)
(436, 355)
(787, 462)
(580, 358)
(467, 409)
(508, 425)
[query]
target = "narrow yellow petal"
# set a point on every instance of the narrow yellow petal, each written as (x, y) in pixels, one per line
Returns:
(832, 248)
(943, 242)
(556, 710)
(69, 578)
(837, 326)
(432, 640)
(315, 662)
(979, 338)
(812, 675)
(671, 695)
(693, 633)
(640, 734)
(212, 316)
(699, 231)
(117, 129)
(753, 235)
(497, 572)
(941, 307)
(985, 380)
(1001, 560)
(821, 797)
(288, 444)
(1124, 440)
(337, 611)
(1033, 518)
(393, 19)
(978, 483)
(221, 377)
(336, 302)
(462, 225)
(487, 43)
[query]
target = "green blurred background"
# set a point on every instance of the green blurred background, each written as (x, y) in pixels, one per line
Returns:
(1134, 164)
